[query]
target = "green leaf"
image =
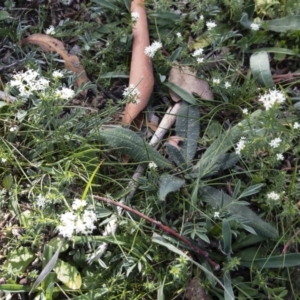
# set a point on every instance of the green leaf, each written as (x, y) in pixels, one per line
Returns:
(19, 259)
(176, 156)
(275, 50)
(183, 94)
(188, 127)
(260, 68)
(68, 274)
(246, 241)
(115, 74)
(175, 54)
(226, 232)
(3, 103)
(214, 197)
(106, 4)
(290, 23)
(7, 181)
(14, 288)
(245, 21)
(228, 285)
(167, 184)
(129, 143)
(251, 190)
(4, 15)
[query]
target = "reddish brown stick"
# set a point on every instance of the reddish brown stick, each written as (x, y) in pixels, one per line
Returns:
(166, 229)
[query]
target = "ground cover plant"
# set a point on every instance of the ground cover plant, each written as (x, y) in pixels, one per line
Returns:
(164, 167)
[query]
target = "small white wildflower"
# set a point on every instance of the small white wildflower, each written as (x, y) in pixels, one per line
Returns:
(216, 214)
(254, 26)
(227, 84)
(178, 34)
(151, 50)
(134, 16)
(40, 201)
(271, 98)
(50, 30)
(210, 25)
(279, 156)
(3, 160)
(13, 129)
(296, 125)
(273, 196)
(132, 93)
(245, 111)
(57, 74)
(240, 145)
(201, 17)
(78, 203)
(216, 81)
(198, 52)
(152, 165)
(65, 93)
(200, 60)
(275, 142)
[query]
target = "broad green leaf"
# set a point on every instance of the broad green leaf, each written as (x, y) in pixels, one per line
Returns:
(246, 241)
(19, 259)
(4, 15)
(228, 285)
(68, 274)
(48, 268)
(188, 127)
(275, 50)
(14, 288)
(175, 54)
(290, 23)
(7, 181)
(183, 94)
(106, 3)
(166, 15)
(260, 68)
(3, 103)
(245, 20)
(226, 233)
(251, 190)
(176, 156)
(129, 143)
(115, 74)
(167, 184)
(214, 197)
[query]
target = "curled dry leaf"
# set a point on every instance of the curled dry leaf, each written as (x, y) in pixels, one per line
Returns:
(174, 141)
(187, 80)
(141, 73)
(50, 44)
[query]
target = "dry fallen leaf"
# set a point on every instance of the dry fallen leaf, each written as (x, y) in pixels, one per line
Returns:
(141, 73)
(50, 44)
(174, 141)
(187, 80)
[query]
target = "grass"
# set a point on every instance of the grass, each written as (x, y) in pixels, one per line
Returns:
(210, 211)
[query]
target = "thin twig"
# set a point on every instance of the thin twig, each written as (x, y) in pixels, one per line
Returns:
(165, 228)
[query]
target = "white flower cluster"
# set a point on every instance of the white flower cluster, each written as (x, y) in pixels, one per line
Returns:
(152, 165)
(28, 82)
(271, 98)
(132, 93)
(78, 222)
(50, 30)
(240, 145)
(254, 26)
(151, 50)
(296, 125)
(275, 142)
(57, 74)
(197, 53)
(273, 196)
(210, 25)
(134, 16)
(65, 93)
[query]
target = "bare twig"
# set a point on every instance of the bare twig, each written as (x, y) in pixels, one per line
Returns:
(165, 228)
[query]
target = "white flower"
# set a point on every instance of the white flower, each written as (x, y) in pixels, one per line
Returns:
(200, 60)
(198, 52)
(78, 203)
(216, 81)
(178, 34)
(254, 26)
(240, 145)
(245, 111)
(296, 125)
(151, 50)
(271, 98)
(13, 129)
(3, 160)
(201, 17)
(275, 142)
(210, 25)
(50, 30)
(279, 156)
(57, 74)
(40, 201)
(132, 93)
(134, 16)
(273, 195)
(227, 84)
(216, 214)
(152, 165)
(65, 93)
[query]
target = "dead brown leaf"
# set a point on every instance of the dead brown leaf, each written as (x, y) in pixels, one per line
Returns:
(50, 44)
(174, 141)
(187, 80)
